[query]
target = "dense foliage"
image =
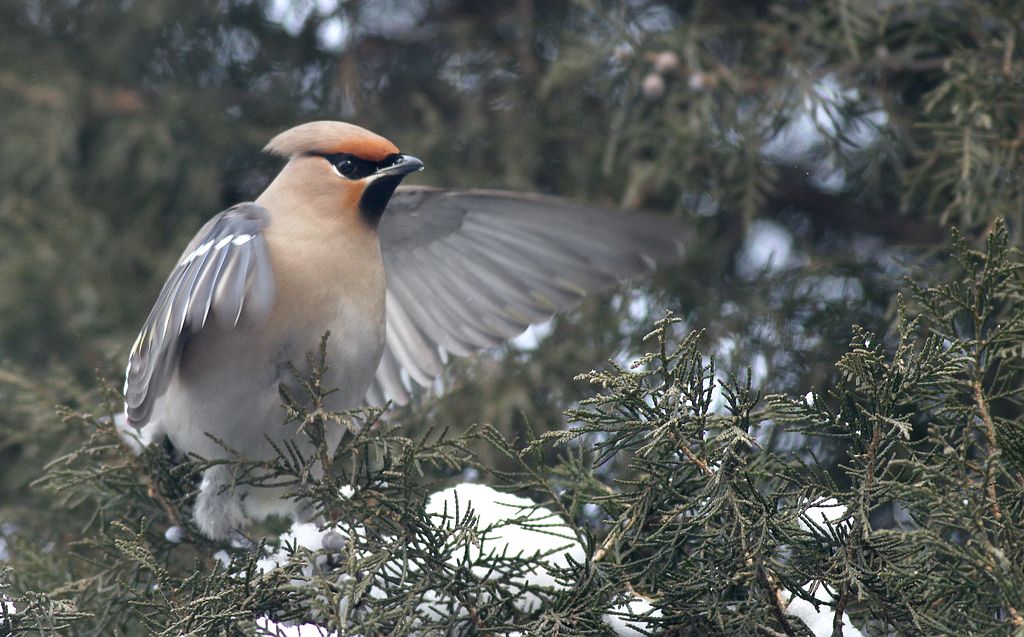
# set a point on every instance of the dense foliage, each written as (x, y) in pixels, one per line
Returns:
(845, 334)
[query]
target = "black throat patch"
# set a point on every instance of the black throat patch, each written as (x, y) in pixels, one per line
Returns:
(376, 197)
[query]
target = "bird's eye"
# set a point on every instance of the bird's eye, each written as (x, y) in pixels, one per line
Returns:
(345, 167)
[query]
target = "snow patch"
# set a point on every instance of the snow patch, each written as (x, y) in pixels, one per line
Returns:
(268, 627)
(819, 620)
(823, 512)
(616, 617)
(510, 525)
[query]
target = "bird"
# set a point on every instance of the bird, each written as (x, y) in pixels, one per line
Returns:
(400, 276)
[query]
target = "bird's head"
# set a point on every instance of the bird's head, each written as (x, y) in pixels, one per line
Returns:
(355, 168)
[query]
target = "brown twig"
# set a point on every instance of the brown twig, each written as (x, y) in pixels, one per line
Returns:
(990, 435)
(1008, 55)
(611, 539)
(837, 619)
(776, 603)
(155, 494)
(869, 476)
(692, 457)
(524, 41)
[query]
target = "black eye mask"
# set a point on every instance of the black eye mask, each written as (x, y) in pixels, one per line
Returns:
(355, 168)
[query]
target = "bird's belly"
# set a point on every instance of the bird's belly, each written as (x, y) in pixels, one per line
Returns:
(354, 348)
(223, 391)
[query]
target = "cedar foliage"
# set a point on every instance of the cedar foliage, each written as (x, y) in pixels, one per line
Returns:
(878, 364)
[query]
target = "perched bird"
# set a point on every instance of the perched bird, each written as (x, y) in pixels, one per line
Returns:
(396, 274)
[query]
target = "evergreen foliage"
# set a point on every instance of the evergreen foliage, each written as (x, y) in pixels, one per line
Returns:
(836, 428)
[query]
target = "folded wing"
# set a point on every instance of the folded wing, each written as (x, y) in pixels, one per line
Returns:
(468, 270)
(224, 276)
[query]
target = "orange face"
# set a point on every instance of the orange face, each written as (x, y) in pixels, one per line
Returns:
(362, 168)
(369, 147)
(350, 192)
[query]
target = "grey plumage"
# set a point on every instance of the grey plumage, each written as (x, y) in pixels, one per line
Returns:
(225, 272)
(434, 274)
(468, 270)
(465, 270)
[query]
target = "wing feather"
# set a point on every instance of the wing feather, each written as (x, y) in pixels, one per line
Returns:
(441, 295)
(201, 297)
(518, 303)
(398, 288)
(467, 270)
(260, 290)
(230, 290)
(225, 274)
(411, 346)
(389, 375)
(475, 293)
(541, 282)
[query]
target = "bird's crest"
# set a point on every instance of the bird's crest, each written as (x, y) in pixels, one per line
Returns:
(327, 137)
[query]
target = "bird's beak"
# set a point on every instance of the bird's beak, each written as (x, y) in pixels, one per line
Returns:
(404, 165)
(382, 184)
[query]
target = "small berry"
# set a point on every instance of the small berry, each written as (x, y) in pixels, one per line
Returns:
(653, 86)
(666, 62)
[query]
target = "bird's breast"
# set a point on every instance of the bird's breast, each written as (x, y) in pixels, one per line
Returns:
(331, 280)
(228, 382)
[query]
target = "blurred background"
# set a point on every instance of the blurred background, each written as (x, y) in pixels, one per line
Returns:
(819, 150)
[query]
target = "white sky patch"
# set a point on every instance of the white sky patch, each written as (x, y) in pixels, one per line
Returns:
(240, 45)
(725, 347)
(652, 19)
(831, 288)
(718, 404)
(457, 72)
(761, 431)
(306, 535)
(816, 122)
(639, 306)
(758, 370)
(292, 14)
(333, 34)
(392, 16)
(768, 247)
(816, 118)
(831, 180)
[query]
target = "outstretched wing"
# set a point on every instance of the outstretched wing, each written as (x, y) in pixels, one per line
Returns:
(468, 270)
(225, 276)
